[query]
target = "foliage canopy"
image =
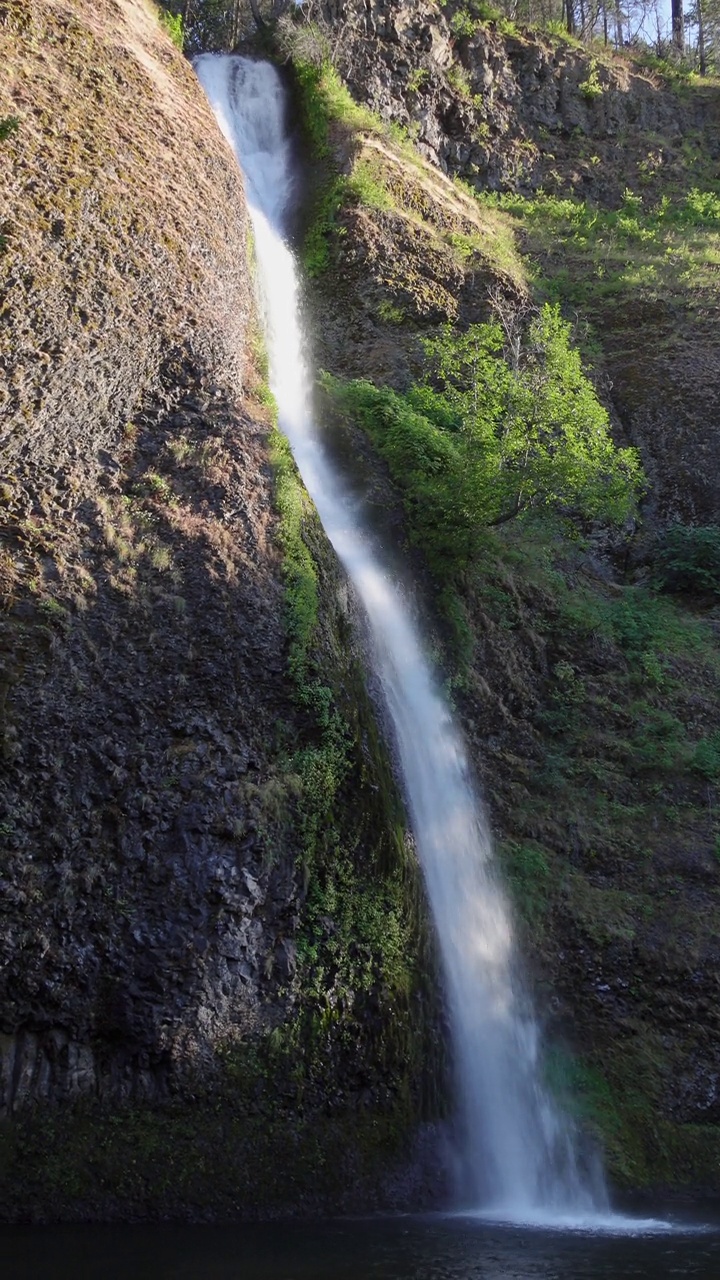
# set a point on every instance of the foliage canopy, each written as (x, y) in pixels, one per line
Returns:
(483, 439)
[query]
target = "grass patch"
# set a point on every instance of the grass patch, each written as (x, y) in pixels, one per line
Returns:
(669, 245)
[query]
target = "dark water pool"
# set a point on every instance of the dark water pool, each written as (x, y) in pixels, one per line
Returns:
(430, 1248)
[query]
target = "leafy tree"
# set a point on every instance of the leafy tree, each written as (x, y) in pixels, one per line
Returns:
(221, 24)
(483, 440)
(538, 435)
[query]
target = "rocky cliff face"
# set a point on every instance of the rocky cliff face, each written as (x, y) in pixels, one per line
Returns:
(515, 109)
(517, 112)
(157, 947)
(137, 516)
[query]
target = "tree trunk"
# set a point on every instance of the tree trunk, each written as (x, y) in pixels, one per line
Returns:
(678, 25)
(701, 38)
(258, 18)
(618, 25)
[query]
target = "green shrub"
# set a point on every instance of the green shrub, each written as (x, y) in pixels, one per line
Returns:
(701, 208)
(592, 88)
(417, 78)
(658, 742)
(480, 442)
(485, 12)
(172, 23)
(706, 758)
(459, 80)
(688, 560)
(463, 25)
(8, 126)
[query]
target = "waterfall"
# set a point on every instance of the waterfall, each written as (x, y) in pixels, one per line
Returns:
(517, 1156)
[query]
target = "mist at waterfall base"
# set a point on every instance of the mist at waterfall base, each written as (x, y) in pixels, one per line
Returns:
(517, 1154)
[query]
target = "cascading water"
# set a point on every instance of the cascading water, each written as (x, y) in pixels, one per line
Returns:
(518, 1157)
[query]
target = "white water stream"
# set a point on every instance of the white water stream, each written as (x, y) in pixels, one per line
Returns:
(517, 1156)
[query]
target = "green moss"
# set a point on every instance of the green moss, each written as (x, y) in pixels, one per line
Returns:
(363, 983)
(528, 869)
(323, 221)
(586, 1093)
(247, 1150)
(295, 510)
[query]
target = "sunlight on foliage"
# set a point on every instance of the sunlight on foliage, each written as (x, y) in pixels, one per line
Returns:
(480, 442)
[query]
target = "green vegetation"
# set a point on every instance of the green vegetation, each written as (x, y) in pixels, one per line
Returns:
(316, 243)
(614, 688)
(375, 180)
(325, 103)
(294, 507)
(600, 815)
(468, 17)
(382, 171)
(687, 560)
(459, 80)
(260, 1141)
(647, 245)
(463, 24)
(706, 758)
(528, 872)
(390, 313)
(8, 126)
(484, 439)
(172, 23)
(361, 927)
(417, 78)
(591, 88)
(370, 937)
